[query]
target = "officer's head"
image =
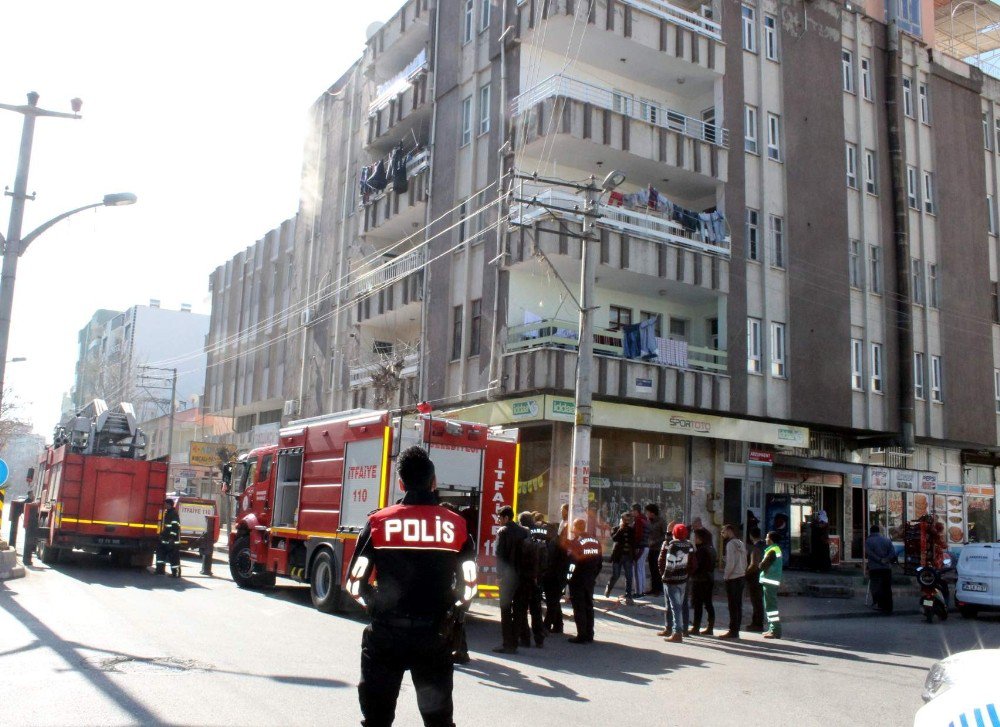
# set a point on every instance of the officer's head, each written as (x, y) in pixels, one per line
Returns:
(874, 530)
(505, 514)
(579, 526)
(416, 471)
(526, 519)
(168, 504)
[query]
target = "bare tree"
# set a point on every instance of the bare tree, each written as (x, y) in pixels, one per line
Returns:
(11, 424)
(385, 368)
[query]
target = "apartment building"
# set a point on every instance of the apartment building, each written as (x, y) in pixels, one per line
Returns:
(797, 307)
(252, 332)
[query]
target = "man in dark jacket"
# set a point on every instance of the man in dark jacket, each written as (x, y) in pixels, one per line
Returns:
(673, 564)
(881, 554)
(170, 538)
(584, 565)
(533, 563)
(554, 580)
(656, 533)
(754, 589)
(421, 581)
(513, 609)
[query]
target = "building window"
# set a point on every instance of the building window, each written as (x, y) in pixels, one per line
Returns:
(996, 124)
(484, 14)
(857, 357)
(678, 328)
(912, 194)
(778, 350)
(466, 120)
(770, 37)
(987, 136)
(918, 375)
(908, 97)
(996, 389)
(847, 70)
(877, 368)
(777, 234)
(871, 172)
(753, 345)
(475, 325)
(750, 129)
(995, 301)
(867, 89)
(875, 277)
(774, 137)
(484, 108)
(925, 105)
(933, 292)
(928, 193)
(852, 166)
(618, 317)
(749, 29)
(917, 273)
(753, 234)
(456, 333)
(991, 216)
(908, 17)
(470, 6)
(936, 379)
(854, 269)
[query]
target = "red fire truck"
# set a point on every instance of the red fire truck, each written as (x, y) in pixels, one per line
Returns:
(302, 503)
(95, 492)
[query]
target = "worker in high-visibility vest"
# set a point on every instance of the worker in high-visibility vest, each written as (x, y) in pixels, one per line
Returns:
(770, 579)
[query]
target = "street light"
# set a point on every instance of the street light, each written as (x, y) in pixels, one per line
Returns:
(14, 244)
(17, 359)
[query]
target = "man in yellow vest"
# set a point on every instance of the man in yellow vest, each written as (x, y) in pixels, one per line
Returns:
(770, 579)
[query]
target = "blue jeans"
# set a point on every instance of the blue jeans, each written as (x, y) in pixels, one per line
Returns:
(675, 599)
(625, 564)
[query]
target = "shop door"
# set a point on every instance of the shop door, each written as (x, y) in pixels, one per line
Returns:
(858, 511)
(732, 501)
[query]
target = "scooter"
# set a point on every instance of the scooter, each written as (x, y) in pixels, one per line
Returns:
(932, 593)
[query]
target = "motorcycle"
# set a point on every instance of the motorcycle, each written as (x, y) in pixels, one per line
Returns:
(933, 593)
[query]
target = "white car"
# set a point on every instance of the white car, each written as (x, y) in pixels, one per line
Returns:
(978, 585)
(962, 690)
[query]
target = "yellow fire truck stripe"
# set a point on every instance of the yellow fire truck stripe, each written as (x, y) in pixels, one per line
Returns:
(311, 533)
(383, 490)
(107, 522)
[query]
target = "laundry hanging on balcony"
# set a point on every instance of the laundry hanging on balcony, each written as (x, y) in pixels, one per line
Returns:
(639, 340)
(391, 169)
(710, 225)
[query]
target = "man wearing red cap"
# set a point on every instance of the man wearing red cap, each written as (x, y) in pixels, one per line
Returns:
(673, 565)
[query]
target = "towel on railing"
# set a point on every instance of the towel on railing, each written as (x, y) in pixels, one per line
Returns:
(672, 353)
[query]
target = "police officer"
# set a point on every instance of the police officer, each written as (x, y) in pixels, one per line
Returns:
(584, 565)
(170, 538)
(535, 565)
(554, 579)
(424, 559)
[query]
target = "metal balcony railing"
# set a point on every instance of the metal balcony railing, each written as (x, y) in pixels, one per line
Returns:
(650, 112)
(398, 83)
(561, 334)
(390, 271)
(673, 14)
(639, 223)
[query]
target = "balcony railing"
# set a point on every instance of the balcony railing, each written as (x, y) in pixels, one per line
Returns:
(553, 333)
(362, 375)
(673, 14)
(622, 103)
(638, 223)
(390, 272)
(398, 83)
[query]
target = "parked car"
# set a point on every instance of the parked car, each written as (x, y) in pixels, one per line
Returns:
(962, 690)
(978, 585)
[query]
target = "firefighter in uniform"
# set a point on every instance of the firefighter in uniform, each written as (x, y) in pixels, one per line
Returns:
(584, 565)
(770, 579)
(170, 538)
(423, 560)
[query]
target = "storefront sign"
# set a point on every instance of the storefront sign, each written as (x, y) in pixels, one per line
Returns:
(263, 435)
(979, 490)
(904, 480)
(761, 457)
(857, 480)
(946, 489)
(928, 482)
(561, 410)
(671, 486)
(877, 478)
(525, 409)
(211, 454)
(644, 386)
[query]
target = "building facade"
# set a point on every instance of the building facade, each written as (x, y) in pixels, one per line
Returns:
(796, 281)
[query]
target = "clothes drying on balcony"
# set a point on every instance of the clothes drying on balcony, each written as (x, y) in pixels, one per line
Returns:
(639, 340)
(375, 177)
(710, 225)
(672, 353)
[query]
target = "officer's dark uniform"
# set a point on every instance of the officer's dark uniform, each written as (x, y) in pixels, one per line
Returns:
(585, 563)
(554, 581)
(424, 561)
(533, 590)
(170, 538)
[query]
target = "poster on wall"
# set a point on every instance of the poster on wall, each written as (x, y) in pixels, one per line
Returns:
(928, 482)
(877, 478)
(903, 480)
(777, 515)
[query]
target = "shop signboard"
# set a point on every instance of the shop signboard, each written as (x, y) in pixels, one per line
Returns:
(210, 454)
(877, 478)
(760, 457)
(777, 516)
(561, 409)
(928, 481)
(671, 486)
(263, 435)
(857, 480)
(979, 490)
(902, 480)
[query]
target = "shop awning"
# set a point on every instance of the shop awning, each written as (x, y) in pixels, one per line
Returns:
(546, 407)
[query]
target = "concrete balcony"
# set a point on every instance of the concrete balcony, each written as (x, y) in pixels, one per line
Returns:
(541, 356)
(400, 105)
(578, 124)
(395, 300)
(399, 39)
(391, 215)
(651, 41)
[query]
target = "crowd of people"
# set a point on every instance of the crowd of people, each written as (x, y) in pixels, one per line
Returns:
(537, 560)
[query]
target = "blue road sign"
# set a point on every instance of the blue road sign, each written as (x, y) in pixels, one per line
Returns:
(4, 473)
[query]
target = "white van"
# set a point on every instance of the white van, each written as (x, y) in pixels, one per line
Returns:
(978, 586)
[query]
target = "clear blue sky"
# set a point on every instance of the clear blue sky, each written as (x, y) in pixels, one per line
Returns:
(197, 107)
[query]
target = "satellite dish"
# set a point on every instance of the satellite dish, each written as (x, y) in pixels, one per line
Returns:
(372, 29)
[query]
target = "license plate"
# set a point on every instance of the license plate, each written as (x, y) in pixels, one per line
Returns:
(982, 587)
(928, 603)
(109, 541)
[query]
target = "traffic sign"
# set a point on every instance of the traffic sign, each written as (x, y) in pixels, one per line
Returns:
(4, 472)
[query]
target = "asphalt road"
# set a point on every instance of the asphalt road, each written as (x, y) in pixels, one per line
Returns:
(84, 643)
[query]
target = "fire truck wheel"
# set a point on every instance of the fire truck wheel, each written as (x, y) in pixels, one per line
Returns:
(241, 564)
(323, 585)
(49, 554)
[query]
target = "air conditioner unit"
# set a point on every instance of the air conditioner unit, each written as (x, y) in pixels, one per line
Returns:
(305, 317)
(291, 408)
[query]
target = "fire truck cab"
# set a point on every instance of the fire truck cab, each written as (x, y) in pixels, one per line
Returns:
(302, 503)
